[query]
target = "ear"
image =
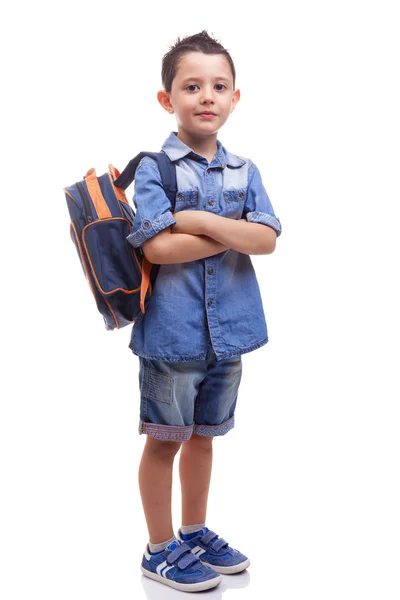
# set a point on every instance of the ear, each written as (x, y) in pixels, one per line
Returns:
(164, 99)
(235, 99)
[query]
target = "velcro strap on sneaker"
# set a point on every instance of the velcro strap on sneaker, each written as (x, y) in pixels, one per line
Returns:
(186, 561)
(182, 556)
(176, 553)
(218, 544)
(207, 537)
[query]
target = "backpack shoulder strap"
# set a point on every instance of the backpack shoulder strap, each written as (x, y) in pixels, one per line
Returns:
(166, 168)
(168, 176)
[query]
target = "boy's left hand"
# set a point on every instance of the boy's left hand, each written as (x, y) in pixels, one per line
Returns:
(190, 221)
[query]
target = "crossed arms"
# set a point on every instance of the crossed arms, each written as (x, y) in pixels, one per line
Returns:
(199, 234)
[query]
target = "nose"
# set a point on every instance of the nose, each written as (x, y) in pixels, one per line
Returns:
(207, 95)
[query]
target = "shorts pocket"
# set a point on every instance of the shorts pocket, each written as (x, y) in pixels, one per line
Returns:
(157, 386)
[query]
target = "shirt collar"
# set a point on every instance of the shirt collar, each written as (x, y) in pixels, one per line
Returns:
(175, 149)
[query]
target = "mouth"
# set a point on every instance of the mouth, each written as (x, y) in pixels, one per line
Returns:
(208, 115)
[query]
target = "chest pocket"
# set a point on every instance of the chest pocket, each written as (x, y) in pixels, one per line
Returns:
(187, 200)
(234, 202)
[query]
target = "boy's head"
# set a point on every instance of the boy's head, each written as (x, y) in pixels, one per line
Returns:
(199, 42)
(198, 76)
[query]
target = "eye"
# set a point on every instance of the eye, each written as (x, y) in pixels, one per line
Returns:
(191, 87)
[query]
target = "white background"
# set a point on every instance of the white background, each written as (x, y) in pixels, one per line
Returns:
(307, 484)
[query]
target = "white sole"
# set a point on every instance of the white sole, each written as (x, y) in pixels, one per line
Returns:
(184, 587)
(228, 570)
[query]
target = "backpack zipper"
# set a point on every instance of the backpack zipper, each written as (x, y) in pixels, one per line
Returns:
(85, 201)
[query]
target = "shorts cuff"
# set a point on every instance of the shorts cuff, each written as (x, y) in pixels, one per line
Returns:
(214, 430)
(174, 433)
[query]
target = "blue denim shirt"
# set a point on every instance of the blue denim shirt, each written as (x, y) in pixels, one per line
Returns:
(219, 293)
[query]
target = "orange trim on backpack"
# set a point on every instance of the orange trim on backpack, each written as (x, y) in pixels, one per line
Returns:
(148, 286)
(146, 268)
(69, 194)
(102, 210)
(119, 192)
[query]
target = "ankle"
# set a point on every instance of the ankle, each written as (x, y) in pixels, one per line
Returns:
(160, 546)
(189, 531)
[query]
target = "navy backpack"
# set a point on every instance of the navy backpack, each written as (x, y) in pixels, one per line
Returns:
(120, 276)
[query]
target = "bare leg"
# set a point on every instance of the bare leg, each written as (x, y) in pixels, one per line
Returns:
(195, 474)
(155, 482)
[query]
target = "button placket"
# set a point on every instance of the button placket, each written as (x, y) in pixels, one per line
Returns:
(209, 185)
(210, 300)
(210, 286)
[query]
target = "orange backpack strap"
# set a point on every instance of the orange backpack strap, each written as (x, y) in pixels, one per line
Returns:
(102, 210)
(146, 268)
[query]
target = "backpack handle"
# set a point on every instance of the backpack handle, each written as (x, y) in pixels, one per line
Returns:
(102, 210)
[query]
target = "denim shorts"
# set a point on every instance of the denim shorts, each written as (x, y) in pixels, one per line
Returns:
(181, 398)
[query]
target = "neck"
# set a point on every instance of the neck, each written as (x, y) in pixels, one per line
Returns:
(206, 146)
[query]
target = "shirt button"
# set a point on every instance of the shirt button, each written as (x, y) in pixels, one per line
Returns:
(180, 195)
(209, 303)
(241, 194)
(211, 202)
(146, 224)
(210, 271)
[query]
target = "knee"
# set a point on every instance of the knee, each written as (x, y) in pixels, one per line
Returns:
(200, 442)
(162, 448)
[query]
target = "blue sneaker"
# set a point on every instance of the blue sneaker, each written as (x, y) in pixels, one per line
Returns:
(179, 568)
(215, 552)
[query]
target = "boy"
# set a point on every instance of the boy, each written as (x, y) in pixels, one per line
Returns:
(197, 323)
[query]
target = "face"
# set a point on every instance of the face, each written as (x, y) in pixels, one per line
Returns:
(203, 83)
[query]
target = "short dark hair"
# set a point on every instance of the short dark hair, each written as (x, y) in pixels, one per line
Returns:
(199, 42)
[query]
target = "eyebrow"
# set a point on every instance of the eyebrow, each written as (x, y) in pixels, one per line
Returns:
(200, 79)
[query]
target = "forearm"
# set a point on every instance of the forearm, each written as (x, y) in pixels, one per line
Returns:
(184, 247)
(240, 235)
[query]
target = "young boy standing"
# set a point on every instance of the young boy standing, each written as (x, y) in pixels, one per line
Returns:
(197, 323)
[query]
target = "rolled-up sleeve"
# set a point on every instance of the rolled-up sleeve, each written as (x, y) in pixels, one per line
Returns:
(258, 207)
(153, 209)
